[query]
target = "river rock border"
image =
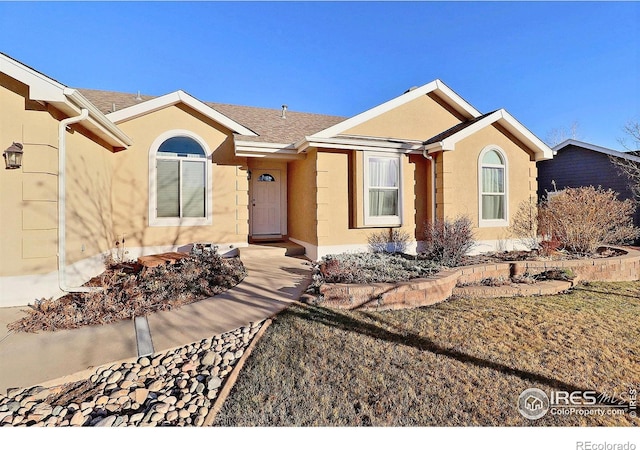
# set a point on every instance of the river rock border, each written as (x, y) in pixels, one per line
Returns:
(177, 387)
(427, 291)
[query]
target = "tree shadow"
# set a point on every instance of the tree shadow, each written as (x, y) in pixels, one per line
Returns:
(595, 291)
(349, 323)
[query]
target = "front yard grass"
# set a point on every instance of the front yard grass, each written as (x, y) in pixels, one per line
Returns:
(463, 362)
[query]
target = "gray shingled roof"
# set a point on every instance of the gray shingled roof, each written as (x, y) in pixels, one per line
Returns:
(267, 123)
(455, 129)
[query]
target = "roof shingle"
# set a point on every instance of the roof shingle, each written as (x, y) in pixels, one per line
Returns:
(267, 123)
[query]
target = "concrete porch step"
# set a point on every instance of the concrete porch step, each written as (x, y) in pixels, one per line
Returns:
(271, 249)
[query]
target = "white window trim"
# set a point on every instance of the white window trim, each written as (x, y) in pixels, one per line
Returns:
(485, 223)
(155, 221)
(386, 221)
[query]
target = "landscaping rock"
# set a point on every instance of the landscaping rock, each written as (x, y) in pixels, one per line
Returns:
(181, 386)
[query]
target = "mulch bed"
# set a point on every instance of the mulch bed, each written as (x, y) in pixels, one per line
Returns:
(535, 255)
(129, 290)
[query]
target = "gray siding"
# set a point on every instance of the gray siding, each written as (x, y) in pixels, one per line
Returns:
(575, 167)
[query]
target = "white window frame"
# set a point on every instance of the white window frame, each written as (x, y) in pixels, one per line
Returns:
(386, 221)
(154, 220)
(504, 222)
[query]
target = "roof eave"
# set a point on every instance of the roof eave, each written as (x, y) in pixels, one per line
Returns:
(41, 87)
(274, 150)
(363, 144)
(97, 122)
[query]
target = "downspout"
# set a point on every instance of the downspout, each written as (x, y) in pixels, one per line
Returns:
(432, 163)
(62, 206)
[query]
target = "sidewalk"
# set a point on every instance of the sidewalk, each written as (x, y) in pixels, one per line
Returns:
(28, 359)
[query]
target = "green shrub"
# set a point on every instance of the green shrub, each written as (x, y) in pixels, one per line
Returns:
(447, 241)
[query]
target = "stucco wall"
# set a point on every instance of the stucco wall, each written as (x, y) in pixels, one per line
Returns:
(29, 201)
(335, 198)
(418, 119)
(458, 184)
(131, 183)
(28, 196)
(302, 199)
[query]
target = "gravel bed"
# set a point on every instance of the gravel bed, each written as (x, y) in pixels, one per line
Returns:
(172, 388)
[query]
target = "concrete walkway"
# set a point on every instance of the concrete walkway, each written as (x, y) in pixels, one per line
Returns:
(273, 282)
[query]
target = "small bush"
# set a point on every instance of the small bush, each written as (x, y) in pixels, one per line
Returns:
(448, 241)
(583, 219)
(392, 241)
(362, 268)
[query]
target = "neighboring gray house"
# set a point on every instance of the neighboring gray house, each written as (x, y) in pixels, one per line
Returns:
(577, 164)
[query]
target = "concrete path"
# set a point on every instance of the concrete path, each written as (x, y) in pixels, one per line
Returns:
(273, 282)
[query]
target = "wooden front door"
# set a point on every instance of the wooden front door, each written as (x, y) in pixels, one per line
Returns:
(265, 217)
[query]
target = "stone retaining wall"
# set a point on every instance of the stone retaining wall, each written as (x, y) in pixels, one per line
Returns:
(427, 291)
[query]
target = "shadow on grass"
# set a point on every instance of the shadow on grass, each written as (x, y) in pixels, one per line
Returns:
(585, 288)
(346, 322)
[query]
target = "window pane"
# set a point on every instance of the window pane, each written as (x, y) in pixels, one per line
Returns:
(181, 146)
(492, 179)
(168, 189)
(492, 207)
(266, 177)
(383, 172)
(383, 202)
(193, 188)
(492, 157)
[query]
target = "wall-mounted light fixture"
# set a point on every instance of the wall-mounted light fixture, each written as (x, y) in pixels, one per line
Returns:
(248, 174)
(13, 156)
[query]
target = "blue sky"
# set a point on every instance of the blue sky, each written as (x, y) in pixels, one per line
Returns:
(548, 63)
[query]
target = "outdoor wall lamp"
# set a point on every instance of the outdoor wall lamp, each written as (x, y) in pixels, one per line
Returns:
(13, 156)
(248, 174)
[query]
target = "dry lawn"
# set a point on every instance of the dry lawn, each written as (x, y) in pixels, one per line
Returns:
(463, 362)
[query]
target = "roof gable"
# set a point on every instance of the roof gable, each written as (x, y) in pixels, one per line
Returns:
(437, 87)
(595, 148)
(155, 104)
(447, 140)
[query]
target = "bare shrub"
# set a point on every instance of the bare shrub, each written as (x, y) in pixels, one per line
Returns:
(524, 223)
(448, 241)
(392, 241)
(583, 219)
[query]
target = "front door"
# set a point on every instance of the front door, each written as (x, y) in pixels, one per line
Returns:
(265, 217)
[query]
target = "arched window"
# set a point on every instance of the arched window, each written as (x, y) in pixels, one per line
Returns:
(493, 187)
(179, 181)
(266, 177)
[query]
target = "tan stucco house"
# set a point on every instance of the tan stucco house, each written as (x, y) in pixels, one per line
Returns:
(161, 173)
